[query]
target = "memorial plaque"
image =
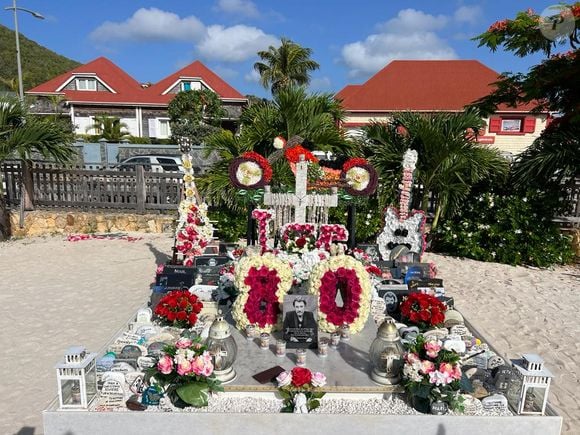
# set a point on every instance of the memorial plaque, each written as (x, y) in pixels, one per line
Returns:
(300, 321)
(495, 402)
(502, 377)
(146, 362)
(114, 376)
(393, 295)
(112, 394)
(155, 349)
(372, 250)
(439, 408)
(144, 316)
(122, 367)
(460, 330)
(203, 261)
(439, 333)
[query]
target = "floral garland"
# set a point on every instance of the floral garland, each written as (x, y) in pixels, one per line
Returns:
(263, 217)
(360, 177)
(329, 233)
(250, 171)
(409, 164)
(194, 230)
(262, 282)
(341, 273)
(298, 237)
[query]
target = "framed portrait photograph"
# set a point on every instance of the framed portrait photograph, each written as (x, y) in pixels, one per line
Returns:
(300, 327)
(372, 250)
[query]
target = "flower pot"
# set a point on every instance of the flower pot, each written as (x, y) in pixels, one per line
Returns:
(421, 404)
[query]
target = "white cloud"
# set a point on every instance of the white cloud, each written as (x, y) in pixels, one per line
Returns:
(234, 44)
(320, 84)
(468, 14)
(246, 8)
(225, 73)
(253, 76)
(150, 25)
(410, 35)
(412, 20)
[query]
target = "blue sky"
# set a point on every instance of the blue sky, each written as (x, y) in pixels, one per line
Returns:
(351, 40)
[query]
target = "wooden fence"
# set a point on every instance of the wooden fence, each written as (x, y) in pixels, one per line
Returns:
(54, 186)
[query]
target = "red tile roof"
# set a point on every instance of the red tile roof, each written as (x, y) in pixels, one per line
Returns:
(423, 85)
(128, 90)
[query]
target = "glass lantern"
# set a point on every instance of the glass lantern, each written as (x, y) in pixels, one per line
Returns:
(77, 378)
(223, 349)
(386, 354)
(529, 386)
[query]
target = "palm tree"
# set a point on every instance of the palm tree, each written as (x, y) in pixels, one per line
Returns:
(450, 161)
(284, 66)
(291, 112)
(109, 128)
(23, 136)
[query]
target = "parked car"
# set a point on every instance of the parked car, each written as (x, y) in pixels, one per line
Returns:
(154, 163)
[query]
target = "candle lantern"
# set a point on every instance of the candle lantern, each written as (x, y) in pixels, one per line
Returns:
(223, 349)
(386, 354)
(529, 386)
(76, 377)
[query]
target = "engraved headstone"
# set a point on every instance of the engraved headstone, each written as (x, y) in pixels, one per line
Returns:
(122, 367)
(144, 316)
(460, 330)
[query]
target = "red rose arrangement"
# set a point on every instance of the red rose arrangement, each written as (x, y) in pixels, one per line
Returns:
(262, 306)
(179, 308)
(298, 237)
(300, 382)
(345, 281)
(423, 310)
(293, 154)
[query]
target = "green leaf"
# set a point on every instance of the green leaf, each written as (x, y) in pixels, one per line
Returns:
(318, 394)
(313, 404)
(195, 393)
(285, 394)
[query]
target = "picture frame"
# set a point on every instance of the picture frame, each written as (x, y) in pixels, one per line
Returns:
(300, 321)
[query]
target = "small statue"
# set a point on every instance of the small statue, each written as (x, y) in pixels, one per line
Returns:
(300, 404)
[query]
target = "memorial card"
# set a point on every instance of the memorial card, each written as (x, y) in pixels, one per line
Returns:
(300, 321)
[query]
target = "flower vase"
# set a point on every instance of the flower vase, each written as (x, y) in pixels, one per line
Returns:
(421, 404)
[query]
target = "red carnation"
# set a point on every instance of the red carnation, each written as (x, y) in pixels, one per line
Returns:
(301, 376)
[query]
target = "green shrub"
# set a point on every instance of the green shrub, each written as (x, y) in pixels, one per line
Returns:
(230, 225)
(505, 228)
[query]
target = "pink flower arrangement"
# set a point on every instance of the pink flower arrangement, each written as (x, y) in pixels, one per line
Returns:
(193, 238)
(300, 381)
(263, 217)
(432, 373)
(330, 233)
(298, 237)
(183, 364)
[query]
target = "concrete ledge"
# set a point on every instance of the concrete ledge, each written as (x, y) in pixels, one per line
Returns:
(155, 423)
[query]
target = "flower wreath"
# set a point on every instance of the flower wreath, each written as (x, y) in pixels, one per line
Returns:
(347, 275)
(360, 177)
(262, 282)
(250, 171)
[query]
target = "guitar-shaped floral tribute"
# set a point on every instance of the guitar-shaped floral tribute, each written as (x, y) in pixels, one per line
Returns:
(401, 226)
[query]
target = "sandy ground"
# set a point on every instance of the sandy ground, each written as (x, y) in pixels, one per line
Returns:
(58, 293)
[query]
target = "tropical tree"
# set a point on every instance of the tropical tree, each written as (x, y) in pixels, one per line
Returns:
(25, 137)
(450, 161)
(109, 127)
(552, 86)
(292, 112)
(284, 66)
(194, 115)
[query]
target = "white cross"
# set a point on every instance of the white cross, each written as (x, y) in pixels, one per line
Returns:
(300, 199)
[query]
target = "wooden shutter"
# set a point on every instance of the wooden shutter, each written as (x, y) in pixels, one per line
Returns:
(530, 124)
(495, 124)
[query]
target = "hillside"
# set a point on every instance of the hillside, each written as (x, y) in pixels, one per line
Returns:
(39, 64)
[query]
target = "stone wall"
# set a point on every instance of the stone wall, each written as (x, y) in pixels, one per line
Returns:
(49, 222)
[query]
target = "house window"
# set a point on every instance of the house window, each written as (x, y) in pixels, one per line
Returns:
(164, 130)
(514, 125)
(190, 85)
(186, 86)
(86, 85)
(511, 125)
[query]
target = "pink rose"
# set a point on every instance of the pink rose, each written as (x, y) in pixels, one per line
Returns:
(456, 372)
(432, 348)
(427, 367)
(207, 369)
(202, 366)
(165, 364)
(412, 358)
(284, 378)
(446, 368)
(183, 343)
(318, 379)
(184, 367)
